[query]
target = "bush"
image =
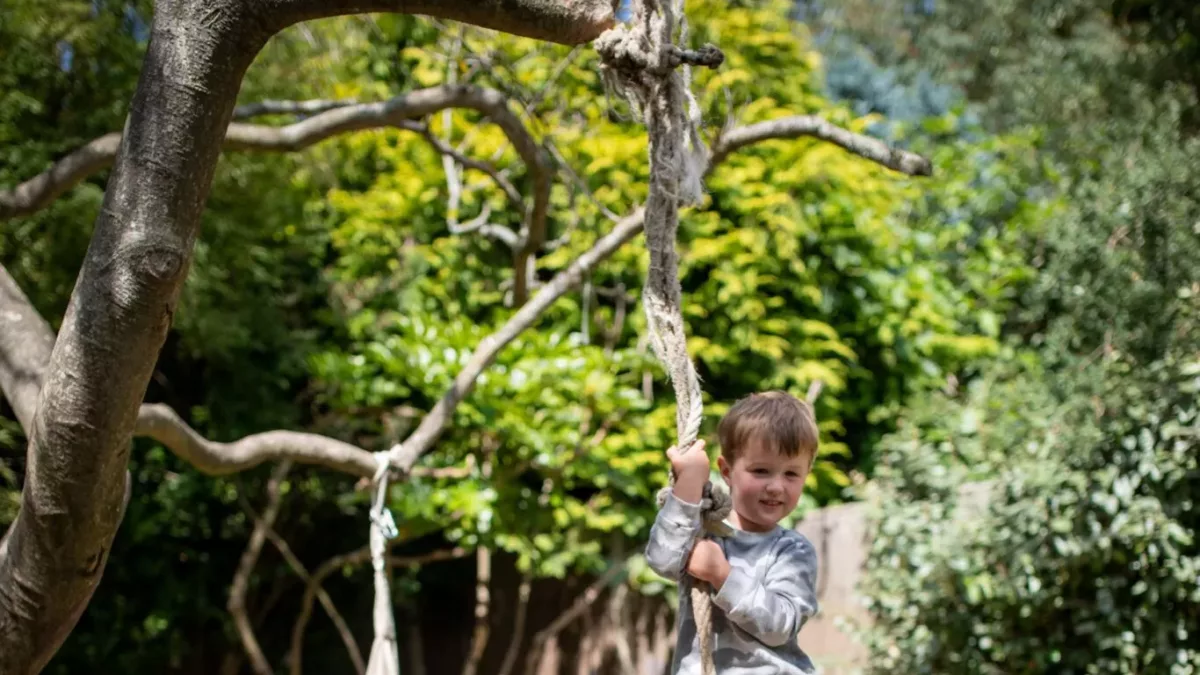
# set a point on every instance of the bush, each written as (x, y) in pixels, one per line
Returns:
(1085, 559)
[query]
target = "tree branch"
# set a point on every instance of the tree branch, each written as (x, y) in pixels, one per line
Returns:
(161, 423)
(398, 112)
(312, 107)
(503, 183)
(241, 579)
(351, 559)
(810, 125)
(55, 552)
(577, 608)
(26, 341)
(406, 454)
(37, 192)
(566, 23)
(514, 645)
(483, 601)
(290, 558)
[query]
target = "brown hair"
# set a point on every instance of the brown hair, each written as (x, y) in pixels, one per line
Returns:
(782, 422)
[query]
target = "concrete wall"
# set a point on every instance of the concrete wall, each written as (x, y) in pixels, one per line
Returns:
(840, 535)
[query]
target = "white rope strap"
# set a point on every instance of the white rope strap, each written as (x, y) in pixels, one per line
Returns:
(385, 656)
(641, 61)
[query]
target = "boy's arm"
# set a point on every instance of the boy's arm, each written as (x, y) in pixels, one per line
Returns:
(774, 609)
(672, 536)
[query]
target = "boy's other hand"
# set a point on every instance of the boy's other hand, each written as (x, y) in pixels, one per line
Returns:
(708, 563)
(691, 464)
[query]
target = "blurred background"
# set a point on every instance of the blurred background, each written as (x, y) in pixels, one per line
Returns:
(1006, 352)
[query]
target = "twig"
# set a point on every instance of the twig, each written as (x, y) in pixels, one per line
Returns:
(523, 593)
(335, 616)
(483, 596)
(573, 612)
(241, 579)
(510, 190)
(351, 559)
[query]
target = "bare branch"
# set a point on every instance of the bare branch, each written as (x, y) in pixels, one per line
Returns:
(810, 125)
(351, 559)
(37, 192)
(241, 579)
(514, 645)
(483, 601)
(581, 604)
(161, 423)
(430, 429)
(397, 112)
(301, 571)
(510, 190)
(311, 107)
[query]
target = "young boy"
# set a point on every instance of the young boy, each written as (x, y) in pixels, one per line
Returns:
(763, 576)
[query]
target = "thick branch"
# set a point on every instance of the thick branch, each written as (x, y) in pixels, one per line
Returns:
(56, 550)
(567, 23)
(161, 423)
(810, 125)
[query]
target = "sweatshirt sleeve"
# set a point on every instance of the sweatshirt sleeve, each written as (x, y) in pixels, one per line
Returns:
(671, 537)
(775, 609)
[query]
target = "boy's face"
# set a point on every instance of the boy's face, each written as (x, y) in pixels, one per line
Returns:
(765, 486)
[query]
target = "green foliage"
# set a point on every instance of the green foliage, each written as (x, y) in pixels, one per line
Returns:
(328, 294)
(1084, 559)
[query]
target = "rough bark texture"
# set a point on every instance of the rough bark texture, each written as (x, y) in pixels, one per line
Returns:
(115, 324)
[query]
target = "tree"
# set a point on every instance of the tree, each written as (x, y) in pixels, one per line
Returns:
(79, 396)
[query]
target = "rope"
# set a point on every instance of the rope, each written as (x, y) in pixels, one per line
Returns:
(385, 656)
(641, 61)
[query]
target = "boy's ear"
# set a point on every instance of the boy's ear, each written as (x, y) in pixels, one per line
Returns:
(724, 467)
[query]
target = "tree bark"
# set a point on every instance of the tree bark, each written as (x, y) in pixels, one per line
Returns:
(115, 324)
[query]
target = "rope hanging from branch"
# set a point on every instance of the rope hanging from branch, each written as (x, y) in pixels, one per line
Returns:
(384, 658)
(642, 62)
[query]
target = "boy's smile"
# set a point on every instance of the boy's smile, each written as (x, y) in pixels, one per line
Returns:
(765, 486)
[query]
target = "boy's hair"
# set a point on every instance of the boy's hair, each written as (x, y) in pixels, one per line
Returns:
(780, 421)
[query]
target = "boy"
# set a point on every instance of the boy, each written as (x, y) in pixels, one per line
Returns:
(763, 576)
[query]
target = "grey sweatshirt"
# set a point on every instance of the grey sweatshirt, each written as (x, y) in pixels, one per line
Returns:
(769, 595)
